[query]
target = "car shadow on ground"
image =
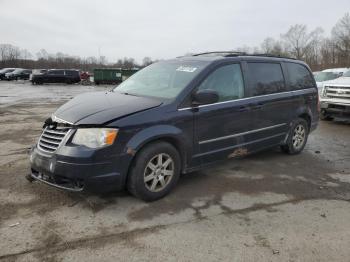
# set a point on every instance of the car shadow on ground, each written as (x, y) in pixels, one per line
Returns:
(301, 177)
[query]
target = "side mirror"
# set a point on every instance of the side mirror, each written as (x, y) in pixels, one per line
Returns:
(204, 97)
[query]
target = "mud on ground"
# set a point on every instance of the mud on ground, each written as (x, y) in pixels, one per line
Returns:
(265, 207)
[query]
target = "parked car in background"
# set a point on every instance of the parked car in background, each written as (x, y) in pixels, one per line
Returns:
(18, 74)
(4, 71)
(333, 73)
(321, 77)
(339, 71)
(70, 76)
(84, 75)
(315, 73)
(37, 72)
(335, 98)
(175, 117)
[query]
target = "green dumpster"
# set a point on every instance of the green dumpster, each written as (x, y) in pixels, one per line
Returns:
(112, 75)
(107, 76)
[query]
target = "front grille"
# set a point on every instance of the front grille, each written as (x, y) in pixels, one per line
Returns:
(52, 137)
(342, 92)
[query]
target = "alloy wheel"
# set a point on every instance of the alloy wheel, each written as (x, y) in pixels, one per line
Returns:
(299, 136)
(158, 172)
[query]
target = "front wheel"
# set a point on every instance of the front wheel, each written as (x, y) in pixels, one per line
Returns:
(297, 137)
(155, 171)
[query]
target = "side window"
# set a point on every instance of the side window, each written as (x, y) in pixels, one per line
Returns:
(266, 78)
(227, 81)
(71, 73)
(56, 72)
(299, 76)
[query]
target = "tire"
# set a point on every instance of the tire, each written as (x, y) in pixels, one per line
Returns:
(297, 137)
(146, 166)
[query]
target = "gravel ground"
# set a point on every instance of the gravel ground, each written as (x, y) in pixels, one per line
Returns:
(265, 207)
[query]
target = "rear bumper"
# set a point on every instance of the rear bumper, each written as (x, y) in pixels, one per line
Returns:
(74, 175)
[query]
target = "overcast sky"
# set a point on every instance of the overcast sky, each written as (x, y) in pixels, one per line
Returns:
(156, 28)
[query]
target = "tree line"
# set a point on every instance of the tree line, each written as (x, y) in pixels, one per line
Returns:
(13, 56)
(313, 47)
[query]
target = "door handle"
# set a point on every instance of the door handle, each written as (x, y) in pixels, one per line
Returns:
(243, 108)
(257, 106)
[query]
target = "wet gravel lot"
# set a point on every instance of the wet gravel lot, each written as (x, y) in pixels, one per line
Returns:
(265, 207)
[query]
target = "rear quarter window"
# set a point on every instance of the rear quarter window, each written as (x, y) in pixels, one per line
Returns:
(299, 76)
(265, 78)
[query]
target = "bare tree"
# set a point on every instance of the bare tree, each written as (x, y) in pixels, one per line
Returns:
(298, 41)
(341, 39)
(272, 46)
(146, 61)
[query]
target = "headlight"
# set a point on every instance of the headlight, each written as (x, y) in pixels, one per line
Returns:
(95, 137)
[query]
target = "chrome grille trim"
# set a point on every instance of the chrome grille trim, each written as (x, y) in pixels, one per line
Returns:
(51, 139)
(342, 92)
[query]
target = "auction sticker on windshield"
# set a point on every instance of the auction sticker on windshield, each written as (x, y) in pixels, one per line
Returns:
(188, 69)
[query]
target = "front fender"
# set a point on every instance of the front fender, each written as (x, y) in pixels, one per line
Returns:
(182, 142)
(156, 132)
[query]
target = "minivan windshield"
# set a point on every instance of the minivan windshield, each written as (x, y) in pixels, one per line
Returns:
(347, 74)
(325, 76)
(162, 80)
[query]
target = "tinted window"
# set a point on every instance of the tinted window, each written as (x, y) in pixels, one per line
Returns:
(266, 78)
(56, 72)
(227, 81)
(72, 73)
(299, 76)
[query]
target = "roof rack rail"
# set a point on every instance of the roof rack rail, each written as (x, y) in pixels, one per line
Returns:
(222, 53)
(271, 55)
(236, 53)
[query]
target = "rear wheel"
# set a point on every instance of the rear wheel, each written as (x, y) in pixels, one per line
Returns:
(297, 137)
(154, 172)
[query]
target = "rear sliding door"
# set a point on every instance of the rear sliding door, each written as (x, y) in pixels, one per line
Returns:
(272, 102)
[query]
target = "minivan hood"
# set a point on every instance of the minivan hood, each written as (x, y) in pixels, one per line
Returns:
(97, 108)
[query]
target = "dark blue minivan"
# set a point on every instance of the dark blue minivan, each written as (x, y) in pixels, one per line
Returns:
(175, 117)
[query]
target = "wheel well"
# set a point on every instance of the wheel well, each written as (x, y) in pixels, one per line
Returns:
(307, 118)
(172, 141)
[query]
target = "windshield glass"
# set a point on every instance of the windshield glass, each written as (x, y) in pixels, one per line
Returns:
(347, 74)
(324, 76)
(163, 80)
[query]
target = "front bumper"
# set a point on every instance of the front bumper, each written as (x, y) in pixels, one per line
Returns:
(334, 109)
(73, 175)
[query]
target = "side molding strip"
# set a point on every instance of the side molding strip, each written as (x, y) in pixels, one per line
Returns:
(241, 134)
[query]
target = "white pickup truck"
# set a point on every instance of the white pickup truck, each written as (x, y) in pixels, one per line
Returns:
(335, 98)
